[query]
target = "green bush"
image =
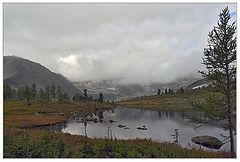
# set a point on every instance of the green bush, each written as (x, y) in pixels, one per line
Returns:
(20, 146)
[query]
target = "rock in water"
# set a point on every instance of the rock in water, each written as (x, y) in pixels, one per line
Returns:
(207, 141)
(121, 126)
(142, 128)
(112, 121)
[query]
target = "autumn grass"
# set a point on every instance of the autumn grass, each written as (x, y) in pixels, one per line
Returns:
(18, 115)
(22, 141)
(176, 101)
(37, 143)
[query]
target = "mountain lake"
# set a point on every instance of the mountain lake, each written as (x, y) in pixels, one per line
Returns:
(129, 123)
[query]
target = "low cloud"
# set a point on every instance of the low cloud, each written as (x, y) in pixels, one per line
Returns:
(137, 43)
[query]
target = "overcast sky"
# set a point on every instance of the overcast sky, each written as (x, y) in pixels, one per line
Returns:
(138, 43)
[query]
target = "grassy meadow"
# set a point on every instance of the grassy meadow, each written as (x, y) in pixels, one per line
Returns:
(175, 101)
(22, 141)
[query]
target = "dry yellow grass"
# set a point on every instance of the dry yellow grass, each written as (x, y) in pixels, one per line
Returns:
(170, 101)
(18, 115)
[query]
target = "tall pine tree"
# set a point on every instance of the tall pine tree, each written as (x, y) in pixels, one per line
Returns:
(53, 92)
(220, 61)
(33, 91)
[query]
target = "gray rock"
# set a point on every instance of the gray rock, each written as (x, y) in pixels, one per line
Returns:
(207, 141)
(142, 128)
(112, 121)
(121, 126)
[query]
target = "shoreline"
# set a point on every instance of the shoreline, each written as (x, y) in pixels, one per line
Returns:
(18, 116)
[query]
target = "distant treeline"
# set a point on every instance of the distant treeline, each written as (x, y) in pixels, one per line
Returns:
(49, 93)
(169, 91)
(85, 96)
(31, 93)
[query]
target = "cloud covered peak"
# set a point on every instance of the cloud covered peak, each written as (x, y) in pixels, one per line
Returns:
(139, 43)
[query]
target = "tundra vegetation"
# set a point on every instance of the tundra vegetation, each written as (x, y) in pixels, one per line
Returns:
(29, 107)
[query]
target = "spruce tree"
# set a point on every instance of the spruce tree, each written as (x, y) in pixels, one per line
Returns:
(41, 96)
(47, 93)
(181, 90)
(27, 94)
(20, 93)
(65, 97)
(53, 92)
(159, 92)
(7, 92)
(59, 94)
(14, 94)
(33, 91)
(220, 61)
(100, 98)
(85, 94)
(166, 91)
(60, 97)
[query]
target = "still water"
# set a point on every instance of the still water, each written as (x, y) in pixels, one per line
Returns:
(160, 126)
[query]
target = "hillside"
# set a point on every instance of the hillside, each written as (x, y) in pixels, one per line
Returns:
(114, 90)
(18, 72)
(199, 83)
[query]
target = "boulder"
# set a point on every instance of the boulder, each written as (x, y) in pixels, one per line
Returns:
(112, 121)
(121, 126)
(207, 141)
(142, 128)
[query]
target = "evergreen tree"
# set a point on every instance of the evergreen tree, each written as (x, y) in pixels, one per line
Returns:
(59, 94)
(41, 96)
(90, 98)
(220, 61)
(166, 91)
(61, 97)
(7, 92)
(76, 97)
(85, 94)
(27, 94)
(181, 90)
(47, 93)
(33, 91)
(162, 93)
(100, 98)
(53, 92)
(170, 91)
(65, 97)
(14, 94)
(159, 92)
(20, 93)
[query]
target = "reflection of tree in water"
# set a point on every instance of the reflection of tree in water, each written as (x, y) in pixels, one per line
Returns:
(170, 115)
(64, 125)
(183, 116)
(166, 114)
(85, 125)
(100, 116)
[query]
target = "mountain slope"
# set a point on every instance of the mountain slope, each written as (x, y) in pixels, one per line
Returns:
(114, 90)
(199, 83)
(19, 72)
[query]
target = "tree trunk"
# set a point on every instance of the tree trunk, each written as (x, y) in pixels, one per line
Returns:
(229, 108)
(230, 126)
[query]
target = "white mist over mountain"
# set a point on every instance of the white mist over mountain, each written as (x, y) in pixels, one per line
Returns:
(138, 43)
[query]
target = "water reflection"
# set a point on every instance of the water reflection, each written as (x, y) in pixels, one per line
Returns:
(100, 116)
(157, 125)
